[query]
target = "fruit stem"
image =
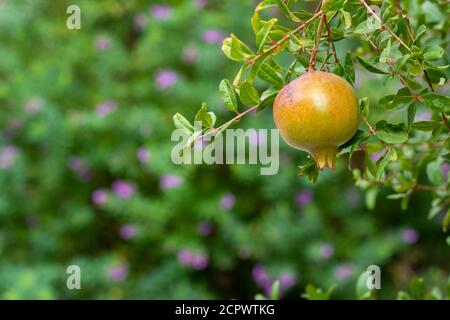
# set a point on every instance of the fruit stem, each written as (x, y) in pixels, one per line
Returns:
(325, 156)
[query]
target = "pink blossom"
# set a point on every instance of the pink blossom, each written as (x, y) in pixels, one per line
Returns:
(80, 167)
(343, 271)
(127, 231)
(143, 155)
(227, 201)
(105, 108)
(410, 236)
(165, 79)
(161, 12)
(304, 197)
(99, 197)
(8, 156)
(190, 54)
(212, 36)
(140, 21)
(33, 105)
(326, 250)
(200, 3)
(102, 43)
(170, 181)
(123, 189)
(118, 273)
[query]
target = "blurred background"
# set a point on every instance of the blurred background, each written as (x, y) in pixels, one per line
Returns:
(86, 177)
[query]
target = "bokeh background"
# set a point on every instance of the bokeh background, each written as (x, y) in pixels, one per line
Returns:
(86, 176)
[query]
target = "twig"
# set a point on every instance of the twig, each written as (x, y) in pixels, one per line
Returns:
(284, 39)
(330, 39)
(312, 62)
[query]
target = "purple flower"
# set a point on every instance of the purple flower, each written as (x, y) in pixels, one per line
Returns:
(118, 273)
(445, 167)
(140, 21)
(423, 116)
(105, 108)
(377, 155)
(213, 36)
(185, 257)
(99, 197)
(227, 201)
(165, 79)
(200, 3)
(199, 261)
(304, 197)
(127, 231)
(170, 181)
(190, 54)
(205, 228)
(256, 138)
(33, 105)
(80, 167)
(161, 12)
(102, 43)
(326, 250)
(287, 280)
(260, 276)
(8, 155)
(143, 154)
(343, 271)
(123, 189)
(196, 261)
(353, 196)
(410, 236)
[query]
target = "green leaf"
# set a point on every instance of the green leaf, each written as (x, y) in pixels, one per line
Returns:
(411, 113)
(370, 67)
(235, 49)
(275, 291)
(228, 95)
(446, 221)
(420, 31)
(313, 293)
(371, 197)
(425, 125)
(181, 122)
(248, 95)
(309, 169)
(385, 53)
(433, 53)
(349, 69)
(437, 102)
(267, 98)
(434, 172)
(364, 106)
(417, 288)
(391, 133)
(263, 33)
(207, 119)
(267, 73)
(362, 291)
(333, 5)
(347, 18)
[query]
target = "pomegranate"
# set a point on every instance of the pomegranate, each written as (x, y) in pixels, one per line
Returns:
(317, 112)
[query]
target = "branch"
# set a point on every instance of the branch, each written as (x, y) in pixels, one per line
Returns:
(312, 62)
(330, 39)
(284, 39)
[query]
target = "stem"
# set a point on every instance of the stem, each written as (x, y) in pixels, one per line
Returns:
(284, 39)
(371, 128)
(330, 39)
(312, 62)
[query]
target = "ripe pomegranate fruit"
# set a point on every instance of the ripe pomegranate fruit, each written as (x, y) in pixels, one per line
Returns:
(317, 112)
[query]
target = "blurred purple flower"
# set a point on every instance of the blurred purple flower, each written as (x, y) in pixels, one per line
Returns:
(256, 138)
(118, 273)
(170, 181)
(199, 261)
(165, 79)
(304, 197)
(353, 196)
(99, 197)
(287, 280)
(200, 3)
(377, 155)
(190, 54)
(123, 189)
(445, 167)
(7, 156)
(33, 105)
(102, 43)
(127, 231)
(343, 271)
(143, 154)
(423, 116)
(326, 250)
(105, 108)
(161, 12)
(227, 201)
(140, 21)
(213, 36)
(185, 257)
(80, 167)
(205, 228)
(410, 236)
